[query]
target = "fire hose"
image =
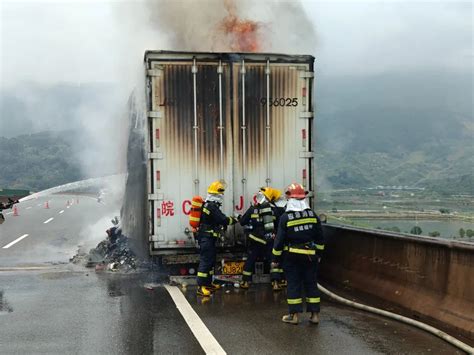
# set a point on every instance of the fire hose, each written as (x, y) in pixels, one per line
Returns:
(439, 333)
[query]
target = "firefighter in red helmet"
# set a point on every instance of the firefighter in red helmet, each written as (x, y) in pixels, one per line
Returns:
(301, 235)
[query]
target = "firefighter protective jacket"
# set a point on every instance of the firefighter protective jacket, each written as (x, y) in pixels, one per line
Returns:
(212, 220)
(277, 212)
(299, 233)
(262, 220)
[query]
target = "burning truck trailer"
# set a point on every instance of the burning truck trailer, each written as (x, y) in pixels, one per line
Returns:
(245, 118)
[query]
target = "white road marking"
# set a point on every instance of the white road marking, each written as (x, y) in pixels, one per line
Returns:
(208, 343)
(9, 213)
(48, 220)
(68, 206)
(15, 241)
(27, 268)
(28, 208)
(62, 211)
(39, 205)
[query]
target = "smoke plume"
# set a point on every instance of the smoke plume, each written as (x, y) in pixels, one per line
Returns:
(233, 26)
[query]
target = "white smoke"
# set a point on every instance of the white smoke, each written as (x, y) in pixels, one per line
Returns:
(93, 233)
(197, 25)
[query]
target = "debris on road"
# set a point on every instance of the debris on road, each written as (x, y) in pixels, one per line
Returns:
(151, 286)
(113, 254)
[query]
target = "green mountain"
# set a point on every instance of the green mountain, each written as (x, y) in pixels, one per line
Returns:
(37, 161)
(396, 129)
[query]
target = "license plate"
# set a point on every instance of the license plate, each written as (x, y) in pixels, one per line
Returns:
(233, 267)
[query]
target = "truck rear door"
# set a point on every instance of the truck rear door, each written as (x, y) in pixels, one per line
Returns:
(189, 141)
(272, 127)
(243, 118)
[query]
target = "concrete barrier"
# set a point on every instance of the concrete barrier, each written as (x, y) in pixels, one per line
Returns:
(430, 278)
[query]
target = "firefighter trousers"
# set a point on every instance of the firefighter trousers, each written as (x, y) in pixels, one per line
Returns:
(207, 260)
(276, 273)
(302, 276)
(255, 250)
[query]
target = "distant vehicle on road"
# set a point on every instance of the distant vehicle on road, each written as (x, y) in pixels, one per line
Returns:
(6, 206)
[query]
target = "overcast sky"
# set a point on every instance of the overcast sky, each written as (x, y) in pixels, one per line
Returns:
(91, 41)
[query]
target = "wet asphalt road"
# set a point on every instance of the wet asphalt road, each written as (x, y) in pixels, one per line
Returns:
(71, 221)
(68, 309)
(75, 312)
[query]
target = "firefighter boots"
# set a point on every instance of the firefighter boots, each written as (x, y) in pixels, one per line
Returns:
(204, 291)
(244, 284)
(276, 286)
(291, 318)
(214, 287)
(314, 318)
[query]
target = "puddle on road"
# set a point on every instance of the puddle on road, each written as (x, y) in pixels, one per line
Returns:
(4, 306)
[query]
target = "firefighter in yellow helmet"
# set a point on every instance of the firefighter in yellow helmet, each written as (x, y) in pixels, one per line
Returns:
(260, 221)
(301, 233)
(211, 223)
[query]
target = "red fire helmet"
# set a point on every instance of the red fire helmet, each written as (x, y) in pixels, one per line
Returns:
(295, 191)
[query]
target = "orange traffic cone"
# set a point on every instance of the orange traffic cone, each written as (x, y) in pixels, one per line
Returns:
(15, 211)
(46, 204)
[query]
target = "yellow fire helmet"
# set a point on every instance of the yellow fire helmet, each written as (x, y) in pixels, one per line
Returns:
(276, 194)
(217, 187)
(270, 193)
(267, 192)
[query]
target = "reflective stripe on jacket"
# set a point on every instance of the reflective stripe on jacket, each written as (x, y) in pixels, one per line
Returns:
(300, 232)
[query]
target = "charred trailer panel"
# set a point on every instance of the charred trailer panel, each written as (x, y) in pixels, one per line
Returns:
(245, 118)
